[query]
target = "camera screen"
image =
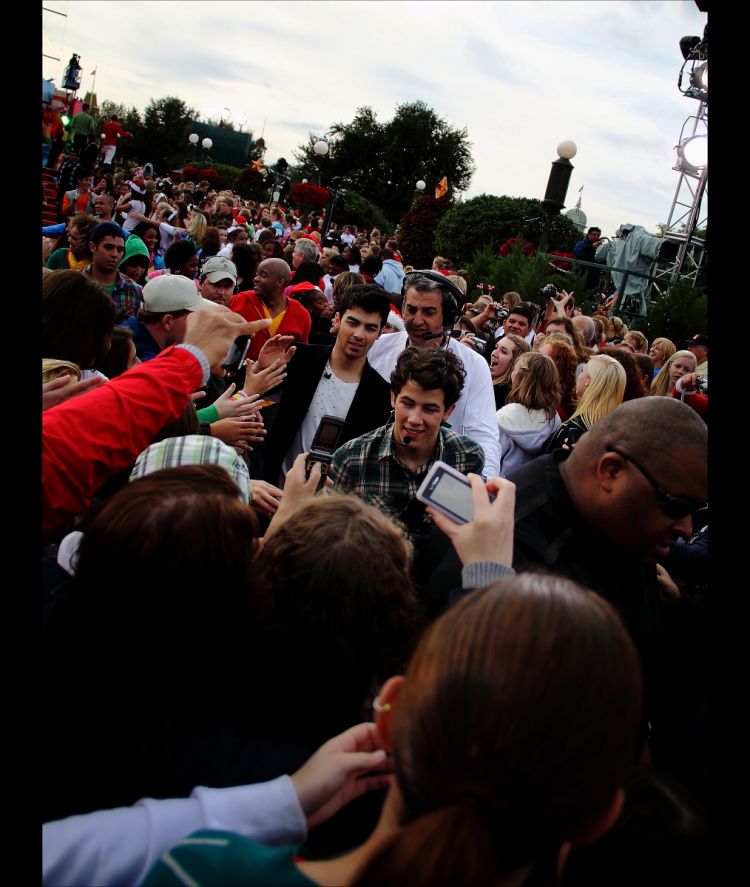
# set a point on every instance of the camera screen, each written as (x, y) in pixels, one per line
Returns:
(454, 495)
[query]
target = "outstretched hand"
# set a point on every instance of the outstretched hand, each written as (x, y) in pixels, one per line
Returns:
(277, 346)
(489, 536)
(335, 774)
(58, 390)
(228, 408)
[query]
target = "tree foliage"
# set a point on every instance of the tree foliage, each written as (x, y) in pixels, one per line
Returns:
(385, 160)
(487, 221)
(357, 210)
(678, 314)
(417, 230)
(249, 184)
(165, 134)
(515, 271)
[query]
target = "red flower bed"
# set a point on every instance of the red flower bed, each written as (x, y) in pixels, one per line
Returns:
(528, 249)
(307, 194)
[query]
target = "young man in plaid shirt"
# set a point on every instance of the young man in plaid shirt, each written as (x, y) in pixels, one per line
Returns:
(387, 466)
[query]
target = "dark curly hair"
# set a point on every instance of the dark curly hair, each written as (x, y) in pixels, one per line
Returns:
(430, 368)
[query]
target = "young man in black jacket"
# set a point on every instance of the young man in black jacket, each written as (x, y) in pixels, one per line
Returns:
(332, 380)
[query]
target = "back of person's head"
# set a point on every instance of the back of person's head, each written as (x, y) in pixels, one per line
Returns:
(646, 366)
(511, 299)
(638, 340)
(564, 357)
(149, 558)
(52, 368)
(197, 227)
(344, 282)
(536, 383)
(586, 326)
(512, 733)
(336, 602)
(371, 265)
(368, 297)
(308, 272)
(338, 264)
(118, 356)
(634, 387)
(246, 258)
(178, 253)
(77, 319)
(211, 243)
(661, 837)
(459, 282)
(605, 390)
(619, 328)
(308, 249)
(430, 368)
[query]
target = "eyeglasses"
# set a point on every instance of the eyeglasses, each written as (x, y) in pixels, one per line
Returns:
(672, 506)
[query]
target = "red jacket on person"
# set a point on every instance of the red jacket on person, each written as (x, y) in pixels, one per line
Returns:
(89, 438)
(296, 321)
(112, 130)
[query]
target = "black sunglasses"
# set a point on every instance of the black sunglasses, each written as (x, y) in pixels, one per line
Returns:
(672, 506)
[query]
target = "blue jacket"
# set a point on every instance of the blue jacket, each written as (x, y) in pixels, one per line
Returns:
(146, 347)
(391, 276)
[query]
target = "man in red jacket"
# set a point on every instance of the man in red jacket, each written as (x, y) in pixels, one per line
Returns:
(288, 317)
(112, 132)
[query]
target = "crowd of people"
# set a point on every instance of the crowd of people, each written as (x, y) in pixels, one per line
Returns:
(239, 410)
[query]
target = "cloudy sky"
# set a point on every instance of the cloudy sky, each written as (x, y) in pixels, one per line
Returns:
(521, 76)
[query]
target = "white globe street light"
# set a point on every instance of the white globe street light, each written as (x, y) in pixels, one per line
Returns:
(193, 138)
(567, 149)
(421, 185)
(207, 144)
(321, 147)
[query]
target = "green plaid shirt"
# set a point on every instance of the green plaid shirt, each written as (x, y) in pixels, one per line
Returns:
(369, 467)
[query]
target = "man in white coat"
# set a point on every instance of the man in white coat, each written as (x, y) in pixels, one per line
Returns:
(431, 306)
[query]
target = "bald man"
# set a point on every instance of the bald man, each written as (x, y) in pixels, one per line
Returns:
(604, 515)
(288, 316)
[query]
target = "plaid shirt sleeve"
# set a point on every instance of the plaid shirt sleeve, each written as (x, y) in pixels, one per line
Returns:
(126, 296)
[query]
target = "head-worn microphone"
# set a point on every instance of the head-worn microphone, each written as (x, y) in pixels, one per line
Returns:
(426, 336)
(407, 440)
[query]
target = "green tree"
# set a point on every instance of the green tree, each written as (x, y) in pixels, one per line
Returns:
(678, 314)
(417, 230)
(515, 271)
(164, 137)
(488, 221)
(385, 160)
(357, 210)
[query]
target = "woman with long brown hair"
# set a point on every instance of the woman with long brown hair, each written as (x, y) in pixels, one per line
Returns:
(511, 735)
(503, 359)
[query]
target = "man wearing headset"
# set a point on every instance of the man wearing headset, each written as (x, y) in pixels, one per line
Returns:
(431, 306)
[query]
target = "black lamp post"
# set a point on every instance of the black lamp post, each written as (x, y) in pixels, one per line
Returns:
(333, 190)
(557, 187)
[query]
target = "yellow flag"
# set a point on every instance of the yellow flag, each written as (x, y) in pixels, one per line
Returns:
(441, 189)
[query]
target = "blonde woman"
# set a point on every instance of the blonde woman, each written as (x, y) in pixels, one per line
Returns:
(529, 416)
(678, 365)
(53, 369)
(599, 389)
(660, 351)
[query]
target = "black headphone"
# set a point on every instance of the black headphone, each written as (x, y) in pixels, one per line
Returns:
(453, 298)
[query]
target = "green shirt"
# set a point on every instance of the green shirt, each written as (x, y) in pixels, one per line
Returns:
(83, 124)
(216, 858)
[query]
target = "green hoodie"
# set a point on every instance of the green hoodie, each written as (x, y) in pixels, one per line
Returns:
(134, 246)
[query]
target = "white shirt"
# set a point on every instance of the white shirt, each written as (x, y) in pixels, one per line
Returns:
(113, 847)
(332, 397)
(474, 414)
